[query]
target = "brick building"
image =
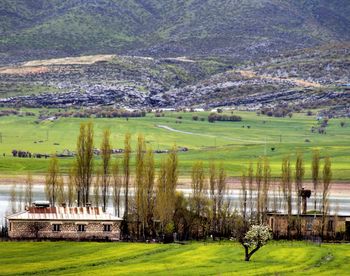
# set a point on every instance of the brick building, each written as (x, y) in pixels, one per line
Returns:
(336, 226)
(41, 221)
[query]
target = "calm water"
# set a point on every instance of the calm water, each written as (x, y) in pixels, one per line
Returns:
(341, 203)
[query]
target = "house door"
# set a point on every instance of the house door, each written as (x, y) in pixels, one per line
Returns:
(347, 230)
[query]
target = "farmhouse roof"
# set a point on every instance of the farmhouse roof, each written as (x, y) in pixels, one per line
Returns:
(64, 213)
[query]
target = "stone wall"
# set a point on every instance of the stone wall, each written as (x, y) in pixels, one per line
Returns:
(68, 230)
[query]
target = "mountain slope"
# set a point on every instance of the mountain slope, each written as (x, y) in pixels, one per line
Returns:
(163, 28)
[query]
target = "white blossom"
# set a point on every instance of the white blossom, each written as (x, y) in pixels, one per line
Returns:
(257, 236)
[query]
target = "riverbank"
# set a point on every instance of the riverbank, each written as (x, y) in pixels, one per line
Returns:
(337, 187)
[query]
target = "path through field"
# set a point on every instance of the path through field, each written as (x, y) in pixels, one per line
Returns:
(211, 136)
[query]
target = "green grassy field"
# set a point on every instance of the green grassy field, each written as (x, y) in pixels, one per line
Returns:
(72, 258)
(226, 142)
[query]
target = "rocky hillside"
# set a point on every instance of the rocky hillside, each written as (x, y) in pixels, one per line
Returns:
(241, 29)
(312, 78)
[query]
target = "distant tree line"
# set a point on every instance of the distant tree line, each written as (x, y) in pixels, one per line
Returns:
(99, 113)
(223, 118)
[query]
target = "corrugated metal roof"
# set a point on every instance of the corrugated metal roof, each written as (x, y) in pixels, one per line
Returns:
(64, 213)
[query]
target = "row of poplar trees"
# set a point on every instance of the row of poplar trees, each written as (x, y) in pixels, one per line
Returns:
(151, 206)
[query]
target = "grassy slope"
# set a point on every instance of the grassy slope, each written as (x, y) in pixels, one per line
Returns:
(289, 258)
(235, 146)
(83, 26)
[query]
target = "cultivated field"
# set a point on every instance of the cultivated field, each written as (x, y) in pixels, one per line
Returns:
(232, 143)
(72, 258)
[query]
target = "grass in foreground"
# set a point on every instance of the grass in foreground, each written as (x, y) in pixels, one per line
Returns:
(73, 258)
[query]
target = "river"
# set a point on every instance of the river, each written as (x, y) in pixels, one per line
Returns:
(338, 202)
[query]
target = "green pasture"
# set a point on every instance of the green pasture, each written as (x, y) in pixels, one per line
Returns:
(226, 258)
(232, 143)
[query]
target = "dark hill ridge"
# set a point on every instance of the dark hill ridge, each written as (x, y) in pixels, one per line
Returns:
(238, 28)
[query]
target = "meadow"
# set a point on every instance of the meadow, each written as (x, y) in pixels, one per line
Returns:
(234, 144)
(226, 258)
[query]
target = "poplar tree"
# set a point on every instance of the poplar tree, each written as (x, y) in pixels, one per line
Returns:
(71, 186)
(266, 187)
(52, 181)
(126, 170)
(258, 180)
(244, 197)
(117, 186)
(299, 177)
(13, 199)
(327, 178)
(29, 189)
(61, 195)
(166, 189)
(84, 162)
(286, 181)
(197, 197)
(97, 189)
(315, 175)
(140, 182)
(148, 201)
(162, 207)
(250, 178)
(106, 158)
(212, 194)
(221, 191)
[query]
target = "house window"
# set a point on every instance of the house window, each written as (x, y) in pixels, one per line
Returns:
(56, 227)
(81, 227)
(107, 228)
